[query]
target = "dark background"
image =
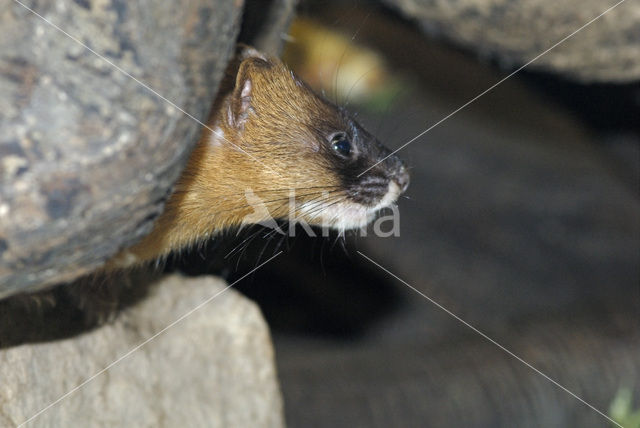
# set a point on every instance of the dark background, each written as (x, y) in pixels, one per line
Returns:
(522, 218)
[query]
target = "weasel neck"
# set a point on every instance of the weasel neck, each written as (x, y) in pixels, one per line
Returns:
(201, 205)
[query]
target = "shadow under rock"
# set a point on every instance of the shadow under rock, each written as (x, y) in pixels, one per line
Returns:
(67, 310)
(318, 287)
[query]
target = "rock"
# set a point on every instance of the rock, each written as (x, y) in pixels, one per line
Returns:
(516, 31)
(213, 368)
(518, 221)
(88, 155)
(264, 23)
(466, 379)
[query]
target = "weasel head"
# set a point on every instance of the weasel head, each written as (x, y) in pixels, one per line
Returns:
(303, 157)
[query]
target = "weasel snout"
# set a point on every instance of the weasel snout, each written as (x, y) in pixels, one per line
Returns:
(401, 177)
(397, 172)
(383, 185)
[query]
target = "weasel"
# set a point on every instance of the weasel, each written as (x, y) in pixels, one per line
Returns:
(273, 140)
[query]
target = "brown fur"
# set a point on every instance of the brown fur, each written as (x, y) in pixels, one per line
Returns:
(266, 150)
(276, 138)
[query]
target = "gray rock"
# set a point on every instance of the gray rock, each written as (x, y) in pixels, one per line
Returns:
(264, 24)
(214, 368)
(87, 154)
(516, 31)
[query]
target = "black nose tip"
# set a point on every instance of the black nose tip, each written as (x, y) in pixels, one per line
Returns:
(402, 178)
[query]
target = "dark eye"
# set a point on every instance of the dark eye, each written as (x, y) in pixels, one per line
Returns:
(340, 143)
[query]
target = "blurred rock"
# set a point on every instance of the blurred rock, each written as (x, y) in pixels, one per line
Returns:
(265, 23)
(466, 379)
(519, 221)
(516, 31)
(214, 368)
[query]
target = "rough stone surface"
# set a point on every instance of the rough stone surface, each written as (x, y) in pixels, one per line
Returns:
(87, 154)
(214, 368)
(516, 31)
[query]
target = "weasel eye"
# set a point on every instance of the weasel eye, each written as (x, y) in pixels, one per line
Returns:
(340, 143)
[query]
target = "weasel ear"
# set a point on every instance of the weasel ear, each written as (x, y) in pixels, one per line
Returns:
(252, 65)
(240, 105)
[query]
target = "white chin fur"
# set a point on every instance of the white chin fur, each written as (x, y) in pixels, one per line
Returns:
(350, 215)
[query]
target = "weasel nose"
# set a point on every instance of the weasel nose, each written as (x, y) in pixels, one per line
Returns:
(402, 178)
